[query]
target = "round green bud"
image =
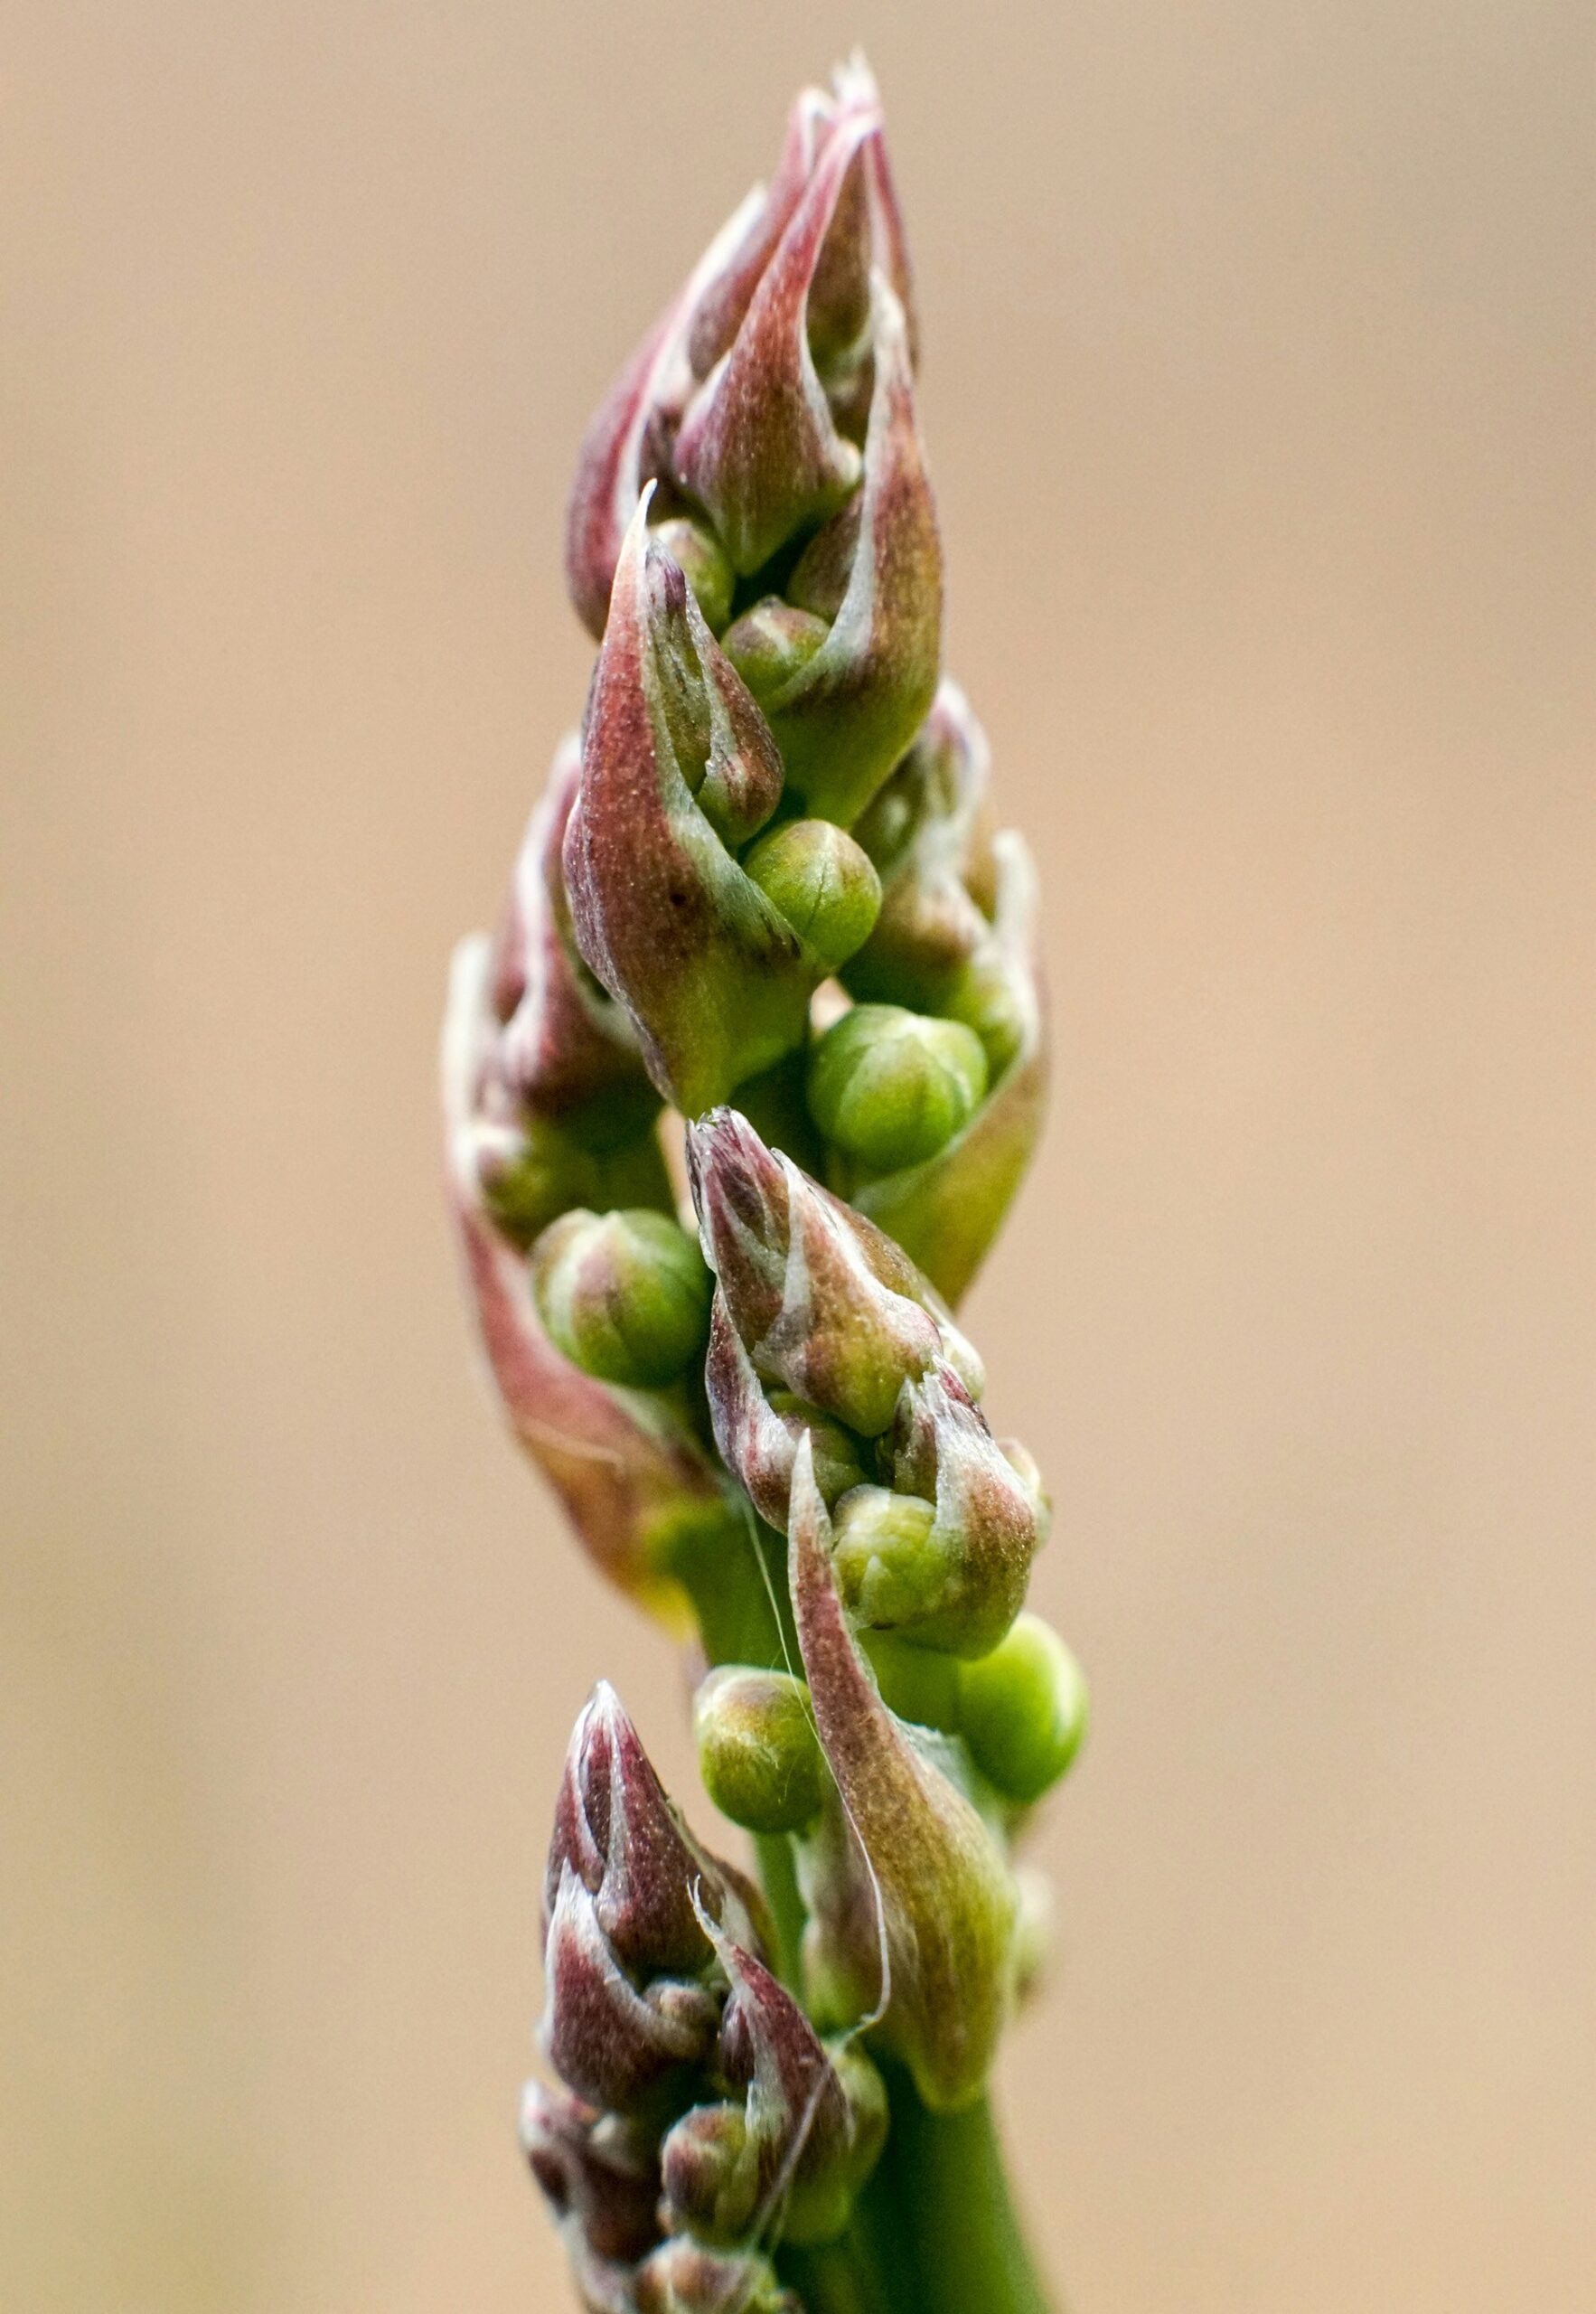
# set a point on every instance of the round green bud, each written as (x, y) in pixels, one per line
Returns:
(984, 996)
(769, 645)
(888, 1570)
(1023, 1710)
(710, 2173)
(892, 1087)
(625, 1296)
(701, 559)
(546, 1169)
(758, 1753)
(822, 883)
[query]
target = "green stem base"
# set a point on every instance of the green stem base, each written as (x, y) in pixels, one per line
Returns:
(935, 2231)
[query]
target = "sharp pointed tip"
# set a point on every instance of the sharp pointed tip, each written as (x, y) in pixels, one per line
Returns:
(634, 544)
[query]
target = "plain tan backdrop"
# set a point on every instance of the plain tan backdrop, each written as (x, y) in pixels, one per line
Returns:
(1259, 395)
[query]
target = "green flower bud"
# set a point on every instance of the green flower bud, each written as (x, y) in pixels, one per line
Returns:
(540, 1172)
(890, 1568)
(1023, 1710)
(769, 645)
(945, 1212)
(710, 2168)
(685, 2277)
(982, 994)
(625, 1296)
(822, 882)
(699, 554)
(892, 1087)
(758, 1753)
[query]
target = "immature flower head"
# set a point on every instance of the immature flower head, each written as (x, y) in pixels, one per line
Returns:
(633, 2006)
(812, 1349)
(765, 874)
(797, 2137)
(780, 307)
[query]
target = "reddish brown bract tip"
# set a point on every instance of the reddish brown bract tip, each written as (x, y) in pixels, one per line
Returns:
(770, 340)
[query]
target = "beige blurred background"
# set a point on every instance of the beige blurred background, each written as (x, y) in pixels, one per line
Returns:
(1259, 393)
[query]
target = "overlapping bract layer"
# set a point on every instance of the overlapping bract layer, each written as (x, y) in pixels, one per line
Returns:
(700, 2117)
(547, 1109)
(823, 1331)
(956, 939)
(755, 473)
(749, 396)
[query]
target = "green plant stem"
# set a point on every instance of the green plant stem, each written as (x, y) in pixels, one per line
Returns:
(843, 2278)
(778, 1872)
(936, 2231)
(953, 2200)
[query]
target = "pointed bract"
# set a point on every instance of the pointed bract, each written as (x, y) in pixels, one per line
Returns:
(849, 711)
(945, 1897)
(612, 2045)
(616, 1829)
(601, 2180)
(759, 449)
(677, 761)
(823, 1303)
(566, 1051)
(757, 1431)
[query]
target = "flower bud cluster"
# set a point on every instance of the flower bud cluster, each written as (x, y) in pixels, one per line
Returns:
(941, 1096)
(773, 788)
(751, 538)
(700, 2119)
(822, 1330)
(591, 1300)
(764, 890)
